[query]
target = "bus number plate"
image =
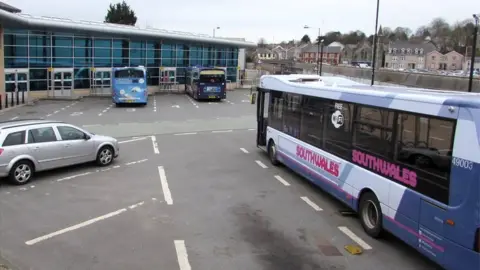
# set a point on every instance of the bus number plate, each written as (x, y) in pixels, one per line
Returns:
(211, 96)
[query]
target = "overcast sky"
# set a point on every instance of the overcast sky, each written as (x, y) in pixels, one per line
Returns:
(274, 20)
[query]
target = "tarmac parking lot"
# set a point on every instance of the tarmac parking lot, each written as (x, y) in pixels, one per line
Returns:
(172, 107)
(194, 193)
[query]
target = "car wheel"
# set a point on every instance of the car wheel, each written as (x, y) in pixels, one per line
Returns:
(371, 216)
(105, 156)
(272, 153)
(21, 173)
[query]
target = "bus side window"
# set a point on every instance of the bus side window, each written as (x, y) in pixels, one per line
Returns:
(424, 144)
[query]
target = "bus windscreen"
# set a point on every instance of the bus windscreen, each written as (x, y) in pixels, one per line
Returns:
(212, 76)
(129, 73)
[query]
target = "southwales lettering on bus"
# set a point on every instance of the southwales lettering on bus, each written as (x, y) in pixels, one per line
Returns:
(322, 162)
(385, 168)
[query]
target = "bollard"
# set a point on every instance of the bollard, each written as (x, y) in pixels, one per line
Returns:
(6, 100)
(1, 102)
(23, 97)
(11, 100)
(17, 96)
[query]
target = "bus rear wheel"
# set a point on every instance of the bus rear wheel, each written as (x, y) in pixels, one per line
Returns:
(371, 216)
(272, 153)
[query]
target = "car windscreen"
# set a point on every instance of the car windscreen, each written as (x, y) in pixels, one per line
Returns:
(129, 73)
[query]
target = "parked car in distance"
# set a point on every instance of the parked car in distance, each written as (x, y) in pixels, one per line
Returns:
(28, 146)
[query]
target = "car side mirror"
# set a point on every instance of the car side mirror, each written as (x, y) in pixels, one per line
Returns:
(86, 137)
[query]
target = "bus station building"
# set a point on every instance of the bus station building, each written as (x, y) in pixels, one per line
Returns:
(57, 57)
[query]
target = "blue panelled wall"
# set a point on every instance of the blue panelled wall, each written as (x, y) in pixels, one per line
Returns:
(39, 51)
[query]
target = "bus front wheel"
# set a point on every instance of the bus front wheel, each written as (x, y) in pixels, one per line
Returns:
(272, 153)
(371, 216)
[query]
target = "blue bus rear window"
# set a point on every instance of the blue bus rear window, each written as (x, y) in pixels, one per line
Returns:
(129, 73)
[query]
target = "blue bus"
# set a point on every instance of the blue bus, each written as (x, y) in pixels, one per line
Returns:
(129, 85)
(206, 83)
(407, 160)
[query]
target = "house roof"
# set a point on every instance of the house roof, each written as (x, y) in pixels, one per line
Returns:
(9, 8)
(263, 50)
(25, 21)
(426, 46)
(326, 49)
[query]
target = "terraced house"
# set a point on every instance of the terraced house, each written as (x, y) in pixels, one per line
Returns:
(407, 55)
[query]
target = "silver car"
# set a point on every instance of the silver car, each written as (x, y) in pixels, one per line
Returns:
(29, 146)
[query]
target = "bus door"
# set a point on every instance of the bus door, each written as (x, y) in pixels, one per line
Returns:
(263, 100)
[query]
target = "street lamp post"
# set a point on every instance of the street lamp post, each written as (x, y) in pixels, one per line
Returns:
(321, 57)
(375, 41)
(318, 48)
(474, 52)
(218, 27)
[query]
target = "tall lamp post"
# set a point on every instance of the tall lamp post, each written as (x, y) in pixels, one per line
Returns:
(474, 52)
(218, 27)
(318, 48)
(321, 58)
(375, 37)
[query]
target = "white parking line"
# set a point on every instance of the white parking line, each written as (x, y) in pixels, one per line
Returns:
(281, 180)
(244, 150)
(97, 171)
(154, 104)
(73, 176)
(312, 204)
(75, 227)
(355, 238)
(136, 205)
(182, 255)
(163, 180)
(62, 109)
(155, 144)
(105, 110)
(229, 102)
(222, 131)
(136, 162)
(261, 164)
(187, 133)
(191, 101)
(133, 140)
(251, 129)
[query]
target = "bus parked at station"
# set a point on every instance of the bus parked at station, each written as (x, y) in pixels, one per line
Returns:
(206, 83)
(407, 160)
(129, 85)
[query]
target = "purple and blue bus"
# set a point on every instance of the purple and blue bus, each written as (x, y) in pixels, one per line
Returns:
(206, 83)
(406, 160)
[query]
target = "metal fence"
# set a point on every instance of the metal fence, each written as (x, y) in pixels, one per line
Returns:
(250, 77)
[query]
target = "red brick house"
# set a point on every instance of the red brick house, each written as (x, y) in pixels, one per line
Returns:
(331, 55)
